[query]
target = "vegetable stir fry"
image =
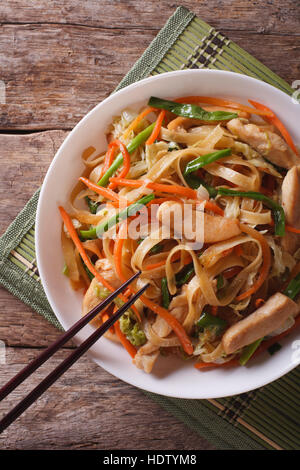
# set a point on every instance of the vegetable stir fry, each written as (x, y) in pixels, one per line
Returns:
(202, 195)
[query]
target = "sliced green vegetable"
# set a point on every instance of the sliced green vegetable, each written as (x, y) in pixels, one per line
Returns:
(122, 215)
(277, 210)
(190, 110)
(90, 275)
(156, 249)
(194, 182)
(102, 293)
(203, 160)
(65, 270)
(132, 146)
(210, 321)
(220, 281)
(132, 329)
(274, 348)
(165, 293)
(184, 274)
(293, 288)
(93, 206)
(129, 325)
(248, 351)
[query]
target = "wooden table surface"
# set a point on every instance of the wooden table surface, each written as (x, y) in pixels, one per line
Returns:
(58, 59)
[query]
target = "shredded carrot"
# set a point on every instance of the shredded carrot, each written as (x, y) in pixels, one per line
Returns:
(259, 303)
(109, 156)
(277, 123)
(265, 267)
(149, 267)
(175, 257)
(292, 229)
(106, 317)
(118, 249)
(222, 102)
(73, 234)
(167, 188)
(214, 310)
(124, 341)
(212, 365)
(238, 250)
(126, 160)
(172, 322)
(105, 192)
(157, 128)
(136, 121)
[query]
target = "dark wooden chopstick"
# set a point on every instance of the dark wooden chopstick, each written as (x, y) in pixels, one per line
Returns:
(66, 363)
(47, 353)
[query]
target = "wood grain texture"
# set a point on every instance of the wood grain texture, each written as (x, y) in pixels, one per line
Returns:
(58, 59)
(269, 16)
(89, 409)
(57, 71)
(24, 163)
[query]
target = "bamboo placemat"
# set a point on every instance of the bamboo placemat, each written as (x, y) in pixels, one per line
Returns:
(266, 418)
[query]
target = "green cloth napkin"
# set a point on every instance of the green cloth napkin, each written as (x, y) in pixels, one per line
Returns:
(266, 418)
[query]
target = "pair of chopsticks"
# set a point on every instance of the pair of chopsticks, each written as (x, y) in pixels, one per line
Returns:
(70, 360)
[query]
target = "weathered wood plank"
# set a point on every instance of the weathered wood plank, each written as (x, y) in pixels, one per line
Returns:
(88, 409)
(54, 74)
(21, 327)
(24, 160)
(273, 16)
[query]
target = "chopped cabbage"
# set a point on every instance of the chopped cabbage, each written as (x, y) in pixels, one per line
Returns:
(132, 330)
(256, 159)
(120, 123)
(154, 152)
(282, 259)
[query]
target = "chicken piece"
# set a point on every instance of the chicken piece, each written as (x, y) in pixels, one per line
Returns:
(90, 300)
(178, 308)
(106, 270)
(197, 226)
(146, 356)
(291, 205)
(260, 323)
(267, 143)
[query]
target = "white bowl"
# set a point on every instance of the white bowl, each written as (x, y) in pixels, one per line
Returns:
(171, 376)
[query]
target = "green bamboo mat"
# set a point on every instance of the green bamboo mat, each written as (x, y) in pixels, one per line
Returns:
(266, 418)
